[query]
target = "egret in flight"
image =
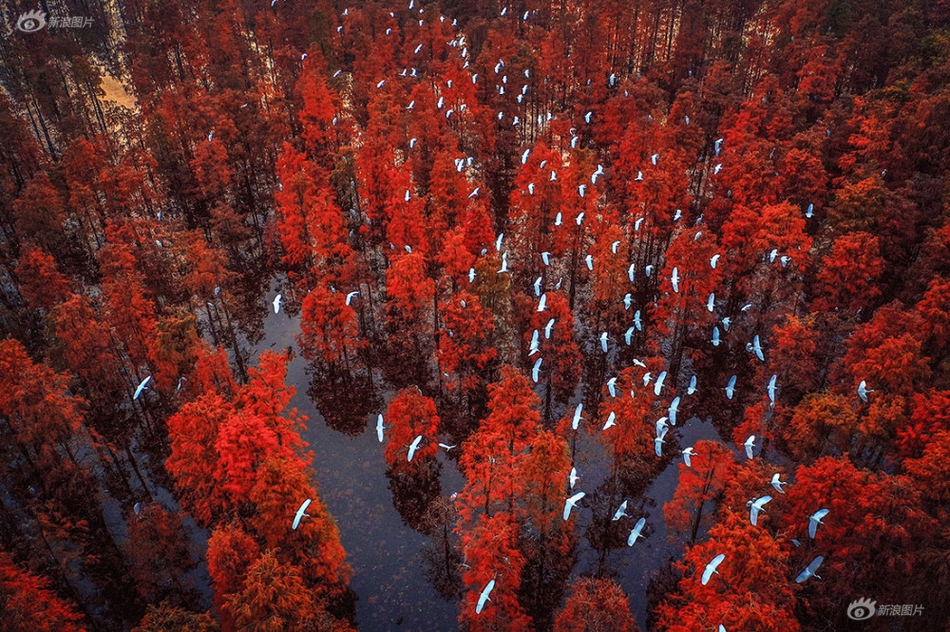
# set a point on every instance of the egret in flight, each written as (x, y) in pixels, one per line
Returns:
(814, 520)
(731, 387)
(749, 445)
(863, 391)
(810, 570)
(379, 427)
(301, 513)
(636, 532)
(414, 446)
(711, 568)
(777, 484)
(570, 502)
(484, 596)
(621, 512)
(577, 416)
(573, 477)
(687, 454)
(277, 300)
(351, 296)
(756, 506)
(141, 387)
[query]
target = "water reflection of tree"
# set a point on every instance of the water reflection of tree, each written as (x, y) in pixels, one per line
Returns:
(441, 555)
(343, 398)
(414, 491)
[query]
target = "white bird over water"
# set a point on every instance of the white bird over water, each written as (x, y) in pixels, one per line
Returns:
(570, 502)
(636, 531)
(577, 416)
(603, 341)
(301, 513)
(379, 427)
(658, 385)
(277, 300)
(688, 453)
(621, 511)
(141, 387)
(573, 477)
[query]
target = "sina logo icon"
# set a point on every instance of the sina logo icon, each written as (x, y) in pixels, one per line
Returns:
(861, 609)
(31, 21)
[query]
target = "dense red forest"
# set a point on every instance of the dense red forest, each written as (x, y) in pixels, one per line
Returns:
(505, 236)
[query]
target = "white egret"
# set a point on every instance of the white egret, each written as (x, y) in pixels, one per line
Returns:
(692, 386)
(731, 387)
(475, 192)
(749, 446)
(636, 532)
(580, 190)
(611, 420)
(647, 377)
(603, 341)
(379, 427)
(756, 348)
(654, 158)
(810, 570)
(547, 329)
(711, 567)
(777, 483)
(543, 303)
(141, 387)
(589, 260)
(557, 218)
(351, 295)
(277, 300)
(715, 337)
(662, 427)
(658, 385)
(658, 446)
(524, 156)
(772, 387)
(546, 258)
(484, 596)
(814, 520)
(447, 447)
(535, 342)
(627, 301)
(714, 261)
(137, 508)
(504, 263)
(717, 146)
(413, 447)
(688, 453)
(628, 336)
(675, 280)
(621, 512)
(726, 322)
(674, 408)
(536, 371)
(755, 507)
(630, 271)
(863, 391)
(570, 502)
(301, 513)
(471, 275)
(181, 382)
(577, 416)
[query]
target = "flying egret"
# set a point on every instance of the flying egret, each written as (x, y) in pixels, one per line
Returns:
(714, 261)
(726, 322)
(379, 427)
(141, 387)
(662, 427)
(628, 336)
(471, 275)
(573, 477)
(536, 371)
(637, 322)
(749, 445)
(731, 387)
(814, 520)
(630, 271)
(580, 190)
(543, 303)
(711, 303)
(547, 329)
(535, 342)
(692, 386)
(717, 146)
(688, 453)
(863, 391)
(621, 512)
(603, 341)
(570, 502)
(611, 420)
(524, 156)
(658, 446)
(414, 446)
(654, 158)
(531, 188)
(577, 416)
(658, 385)
(277, 300)
(484, 596)
(351, 295)
(475, 192)
(777, 483)
(504, 263)
(587, 117)
(756, 506)
(636, 532)
(810, 570)
(181, 382)
(715, 337)
(647, 377)
(756, 348)
(137, 508)
(589, 260)
(674, 408)
(557, 218)
(546, 258)
(711, 568)
(447, 447)
(301, 513)
(675, 280)
(772, 387)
